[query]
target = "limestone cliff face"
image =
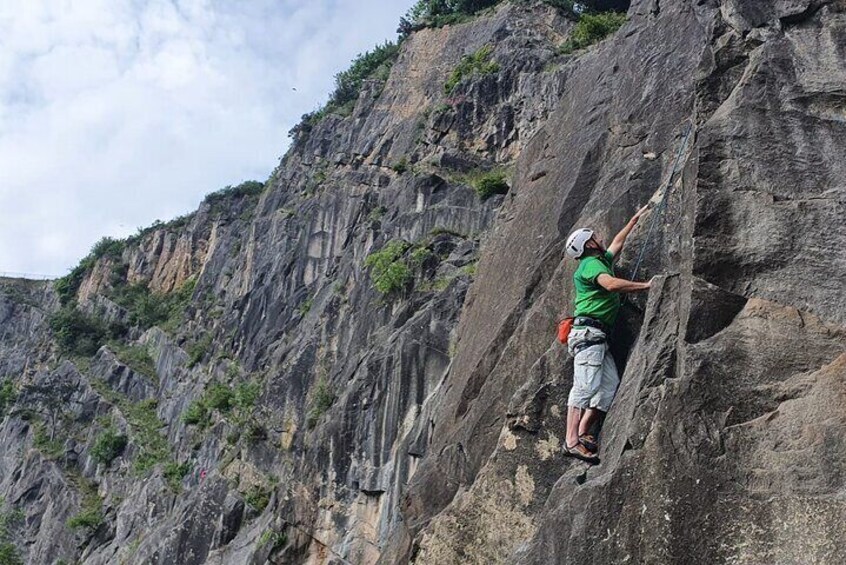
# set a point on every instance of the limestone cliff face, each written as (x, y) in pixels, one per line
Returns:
(290, 413)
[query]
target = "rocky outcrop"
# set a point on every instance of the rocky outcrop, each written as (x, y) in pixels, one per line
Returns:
(699, 377)
(287, 412)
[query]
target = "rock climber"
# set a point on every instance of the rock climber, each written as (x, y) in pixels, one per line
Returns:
(595, 377)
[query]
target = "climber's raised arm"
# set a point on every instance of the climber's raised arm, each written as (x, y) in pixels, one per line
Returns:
(620, 239)
(613, 284)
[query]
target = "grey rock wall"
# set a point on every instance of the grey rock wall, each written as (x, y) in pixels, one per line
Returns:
(427, 426)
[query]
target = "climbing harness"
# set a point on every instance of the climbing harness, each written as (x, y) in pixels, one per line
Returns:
(659, 213)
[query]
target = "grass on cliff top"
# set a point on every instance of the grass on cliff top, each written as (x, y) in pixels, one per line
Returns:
(592, 28)
(375, 64)
(67, 287)
(438, 13)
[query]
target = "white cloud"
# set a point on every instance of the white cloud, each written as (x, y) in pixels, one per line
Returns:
(114, 113)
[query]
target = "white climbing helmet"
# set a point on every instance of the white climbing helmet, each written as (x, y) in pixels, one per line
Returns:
(576, 242)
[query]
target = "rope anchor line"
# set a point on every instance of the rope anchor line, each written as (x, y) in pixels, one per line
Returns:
(668, 187)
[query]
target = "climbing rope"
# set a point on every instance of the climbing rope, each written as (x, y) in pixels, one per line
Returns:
(659, 213)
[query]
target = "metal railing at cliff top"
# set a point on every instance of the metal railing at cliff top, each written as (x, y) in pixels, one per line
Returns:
(27, 276)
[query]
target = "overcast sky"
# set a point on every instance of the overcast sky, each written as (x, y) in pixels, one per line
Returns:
(115, 113)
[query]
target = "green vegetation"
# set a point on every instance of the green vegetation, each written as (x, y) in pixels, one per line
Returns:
(197, 350)
(90, 515)
(197, 414)
(273, 539)
(305, 307)
(218, 397)
(147, 308)
(174, 224)
(108, 446)
(375, 64)
(400, 166)
(108, 247)
(473, 64)
(145, 429)
(67, 286)
(8, 394)
(592, 28)
(137, 358)
(376, 214)
(174, 473)
(387, 269)
(246, 394)
(440, 230)
(218, 200)
(441, 283)
(258, 497)
(81, 334)
(420, 255)
(489, 183)
(45, 442)
(437, 13)
(321, 400)
(255, 432)
(9, 554)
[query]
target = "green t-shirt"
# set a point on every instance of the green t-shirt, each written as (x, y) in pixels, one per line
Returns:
(592, 300)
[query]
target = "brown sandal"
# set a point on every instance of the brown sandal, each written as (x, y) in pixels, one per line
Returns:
(579, 451)
(589, 442)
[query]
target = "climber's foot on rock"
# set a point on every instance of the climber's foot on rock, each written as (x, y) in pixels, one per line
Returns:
(579, 451)
(589, 442)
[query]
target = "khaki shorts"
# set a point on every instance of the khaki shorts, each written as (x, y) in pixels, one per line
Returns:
(595, 378)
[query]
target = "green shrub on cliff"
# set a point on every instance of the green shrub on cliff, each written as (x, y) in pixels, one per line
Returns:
(79, 333)
(473, 64)
(137, 358)
(174, 473)
(9, 554)
(198, 349)
(67, 286)
(108, 446)
(387, 269)
(90, 514)
(7, 396)
(321, 400)
(197, 414)
(592, 28)
(147, 308)
(257, 496)
(490, 183)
